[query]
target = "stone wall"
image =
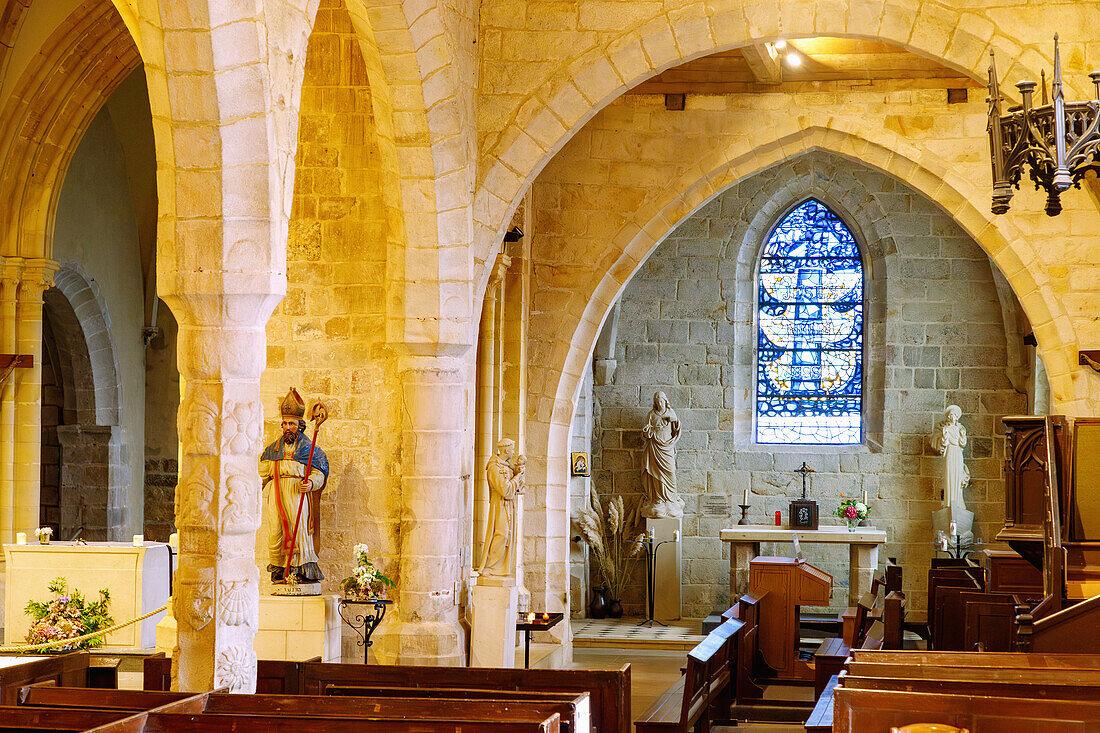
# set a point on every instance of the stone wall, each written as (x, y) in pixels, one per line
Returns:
(327, 336)
(934, 336)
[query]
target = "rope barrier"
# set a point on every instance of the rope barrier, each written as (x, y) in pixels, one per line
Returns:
(84, 637)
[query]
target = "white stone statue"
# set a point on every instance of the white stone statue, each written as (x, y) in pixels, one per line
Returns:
(949, 439)
(506, 478)
(660, 433)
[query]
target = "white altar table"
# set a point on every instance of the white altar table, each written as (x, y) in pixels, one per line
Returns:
(863, 551)
(136, 578)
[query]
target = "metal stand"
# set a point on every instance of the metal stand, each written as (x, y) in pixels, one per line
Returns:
(744, 513)
(364, 624)
(650, 565)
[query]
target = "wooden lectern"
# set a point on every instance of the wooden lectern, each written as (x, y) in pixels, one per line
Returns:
(786, 583)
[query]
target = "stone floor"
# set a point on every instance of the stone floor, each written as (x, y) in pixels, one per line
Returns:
(652, 671)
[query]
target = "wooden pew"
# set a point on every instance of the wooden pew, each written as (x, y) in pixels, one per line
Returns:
(222, 723)
(1073, 629)
(703, 688)
(25, 718)
(301, 714)
(858, 710)
(989, 659)
(95, 698)
(70, 670)
(609, 689)
(821, 717)
(273, 676)
(575, 709)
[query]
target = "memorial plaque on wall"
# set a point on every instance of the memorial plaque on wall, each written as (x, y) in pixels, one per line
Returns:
(714, 505)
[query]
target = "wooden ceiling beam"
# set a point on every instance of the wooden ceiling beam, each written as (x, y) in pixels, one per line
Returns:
(763, 62)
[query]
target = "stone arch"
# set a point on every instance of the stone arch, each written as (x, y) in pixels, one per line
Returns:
(586, 311)
(93, 451)
(49, 110)
(544, 120)
(90, 310)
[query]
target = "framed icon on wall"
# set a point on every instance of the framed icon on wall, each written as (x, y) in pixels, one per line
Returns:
(579, 464)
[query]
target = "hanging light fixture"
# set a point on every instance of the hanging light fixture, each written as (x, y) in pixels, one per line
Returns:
(1059, 142)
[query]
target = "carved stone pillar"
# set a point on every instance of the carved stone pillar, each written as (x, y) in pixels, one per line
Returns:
(222, 351)
(426, 629)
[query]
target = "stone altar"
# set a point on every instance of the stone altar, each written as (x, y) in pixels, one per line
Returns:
(135, 576)
(863, 551)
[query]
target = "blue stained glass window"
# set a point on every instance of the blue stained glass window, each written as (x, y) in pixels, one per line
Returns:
(809, 364)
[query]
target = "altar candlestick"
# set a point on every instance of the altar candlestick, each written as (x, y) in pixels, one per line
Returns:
(746, 499)
(174, 541)
(865, 496)
(778, 518)
(139, 540)
(20, 538)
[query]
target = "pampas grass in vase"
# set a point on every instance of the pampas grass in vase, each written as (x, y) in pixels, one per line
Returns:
(610, 536)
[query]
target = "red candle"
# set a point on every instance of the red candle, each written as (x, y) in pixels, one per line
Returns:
(778, 518)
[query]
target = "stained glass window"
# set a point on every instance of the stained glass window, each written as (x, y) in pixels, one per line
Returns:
(809, 366)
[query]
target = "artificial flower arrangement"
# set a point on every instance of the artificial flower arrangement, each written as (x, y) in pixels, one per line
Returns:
(43, 534)
(852, 511)
(67, 616)
(365, 581)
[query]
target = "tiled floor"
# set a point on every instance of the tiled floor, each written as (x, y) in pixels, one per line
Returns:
(628, 633)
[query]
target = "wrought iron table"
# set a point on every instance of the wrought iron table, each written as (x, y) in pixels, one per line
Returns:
(529, 622)
(364, 624)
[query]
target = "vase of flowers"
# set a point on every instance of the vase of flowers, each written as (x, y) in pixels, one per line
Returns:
(853, 512)
(68, 615)
(366, 582)
(615, 547)
(43, 534)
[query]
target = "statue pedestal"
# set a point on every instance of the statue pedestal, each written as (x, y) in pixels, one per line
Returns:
(964, 525)
(493, 637)
(666, 568)
(292, 628)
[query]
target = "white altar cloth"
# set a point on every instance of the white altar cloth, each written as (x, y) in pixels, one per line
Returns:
(863, 551)
(136, 578)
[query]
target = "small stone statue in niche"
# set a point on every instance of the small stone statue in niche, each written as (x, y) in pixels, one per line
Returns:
(660, 433)
(949, 439)
(506, 476)
(291, 497)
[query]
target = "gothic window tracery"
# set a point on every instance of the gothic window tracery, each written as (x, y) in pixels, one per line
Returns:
(809, 364)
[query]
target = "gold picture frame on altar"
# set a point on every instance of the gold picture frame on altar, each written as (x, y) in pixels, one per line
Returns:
(579, 465)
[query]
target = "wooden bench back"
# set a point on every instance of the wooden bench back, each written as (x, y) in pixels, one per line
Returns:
(609, 689)
(273, 676)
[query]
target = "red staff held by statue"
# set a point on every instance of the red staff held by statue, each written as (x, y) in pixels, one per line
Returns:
(317, 415)
(294, 466)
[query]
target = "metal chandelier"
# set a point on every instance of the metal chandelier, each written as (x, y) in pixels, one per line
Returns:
(1058, 141)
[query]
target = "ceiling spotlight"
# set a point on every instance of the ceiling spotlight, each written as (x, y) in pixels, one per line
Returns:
(780, 44)
(793, 60)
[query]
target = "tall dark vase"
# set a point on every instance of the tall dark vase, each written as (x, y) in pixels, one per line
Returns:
(614, 609)
(598, 607)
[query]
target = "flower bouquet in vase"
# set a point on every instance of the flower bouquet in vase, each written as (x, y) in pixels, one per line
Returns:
(43, 534)
(366, 582)
(853, 512)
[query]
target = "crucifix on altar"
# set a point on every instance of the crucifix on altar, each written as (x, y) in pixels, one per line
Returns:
(803, 513)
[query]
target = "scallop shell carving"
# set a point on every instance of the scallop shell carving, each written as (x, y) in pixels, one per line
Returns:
(234, 603)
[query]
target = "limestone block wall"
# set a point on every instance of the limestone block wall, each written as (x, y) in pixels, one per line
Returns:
(935, 335)
(326, 337)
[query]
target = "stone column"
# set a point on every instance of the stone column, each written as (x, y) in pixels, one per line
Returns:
(425, 628)
(10, 269)
(486, 414)
(222, 348)
(27, 478)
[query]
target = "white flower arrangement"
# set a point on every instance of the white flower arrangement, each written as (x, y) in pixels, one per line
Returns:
(365, 581)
